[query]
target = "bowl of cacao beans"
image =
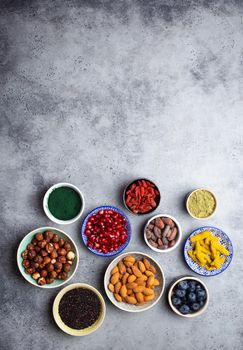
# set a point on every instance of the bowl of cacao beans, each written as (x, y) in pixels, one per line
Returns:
(162, 233)
(47, 257)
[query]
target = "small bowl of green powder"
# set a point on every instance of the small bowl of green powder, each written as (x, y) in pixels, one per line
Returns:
(201, 203)
(63, 203)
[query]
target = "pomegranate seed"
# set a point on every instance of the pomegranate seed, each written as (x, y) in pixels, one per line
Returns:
(106, 231)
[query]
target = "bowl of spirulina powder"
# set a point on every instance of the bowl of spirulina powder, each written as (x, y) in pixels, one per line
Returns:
(63, 203)
(79, 309)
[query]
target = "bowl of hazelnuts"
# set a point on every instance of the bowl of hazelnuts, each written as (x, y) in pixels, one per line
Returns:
(47, 257)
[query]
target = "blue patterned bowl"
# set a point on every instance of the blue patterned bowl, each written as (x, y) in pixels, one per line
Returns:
(128, 227)
(224, 240)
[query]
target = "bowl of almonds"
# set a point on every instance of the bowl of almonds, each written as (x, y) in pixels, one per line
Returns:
(134, 282)
(162, 233)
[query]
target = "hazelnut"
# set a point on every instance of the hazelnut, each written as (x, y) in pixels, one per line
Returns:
(31, 254)
(38, 259)
(66, 267)
(24, 254)
(49, 247)
(29, 270)
(34, 242)
(54, 254)
(55, 238)
(56, 246)
(48, 235)
(62, 276)
(39, 236)
(36, 275)
(26, 263)
(37, 249)
(67, 246)
(46, 260)
(34, 264)
(49, 267)
(53, 261)
(52, 274)
(30, 246)
(61, 259)
(43, 252)
(70, 255)
(49, 280)
(62, 251)
(41, 266)
(41, 281)
(43, 273)
(58, 266)
(61, 242)
(42, 244)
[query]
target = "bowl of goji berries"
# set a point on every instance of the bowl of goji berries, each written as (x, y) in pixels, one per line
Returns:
(106, 231)
(141, 197)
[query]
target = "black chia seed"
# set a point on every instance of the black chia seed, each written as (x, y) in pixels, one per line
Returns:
(79, 308)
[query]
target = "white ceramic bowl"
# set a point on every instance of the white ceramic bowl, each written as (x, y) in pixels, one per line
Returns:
(158, 290)
(178, 237)
(28, 238)
(196, 313)
(49, 214)
(187, 203)
(63, 326)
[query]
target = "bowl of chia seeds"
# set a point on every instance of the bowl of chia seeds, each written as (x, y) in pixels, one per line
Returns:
(63, 203)
(79, 309)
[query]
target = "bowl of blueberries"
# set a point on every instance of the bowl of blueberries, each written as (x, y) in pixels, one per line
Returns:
(188, 297)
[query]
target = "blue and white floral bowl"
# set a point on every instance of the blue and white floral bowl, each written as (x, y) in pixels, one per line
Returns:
(224, 240)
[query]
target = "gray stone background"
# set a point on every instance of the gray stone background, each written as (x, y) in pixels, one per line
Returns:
(98, 93)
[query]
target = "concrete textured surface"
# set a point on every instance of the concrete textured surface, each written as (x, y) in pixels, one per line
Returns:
(98, 93)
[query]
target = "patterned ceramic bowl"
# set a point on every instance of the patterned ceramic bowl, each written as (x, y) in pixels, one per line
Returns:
(95, 211)
(224, 240)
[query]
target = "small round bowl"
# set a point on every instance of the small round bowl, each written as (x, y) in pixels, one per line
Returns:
(196, 313)
(96, 210)
(49, 214)
(63, 326)
(28, 238)
(178, 239)
(224, 240)
(158, 290)
(187, 203)
(157, 198)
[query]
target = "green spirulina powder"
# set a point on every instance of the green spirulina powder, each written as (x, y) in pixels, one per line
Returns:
(64, 203)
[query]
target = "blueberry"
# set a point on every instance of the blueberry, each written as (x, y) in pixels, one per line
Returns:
(182, 285)
(201, 303)
(180, 293)
(192, 286)
(201, 294)
(184, 309)
(198, 286)
(195, 306)
(176, 301)
(191, 297)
